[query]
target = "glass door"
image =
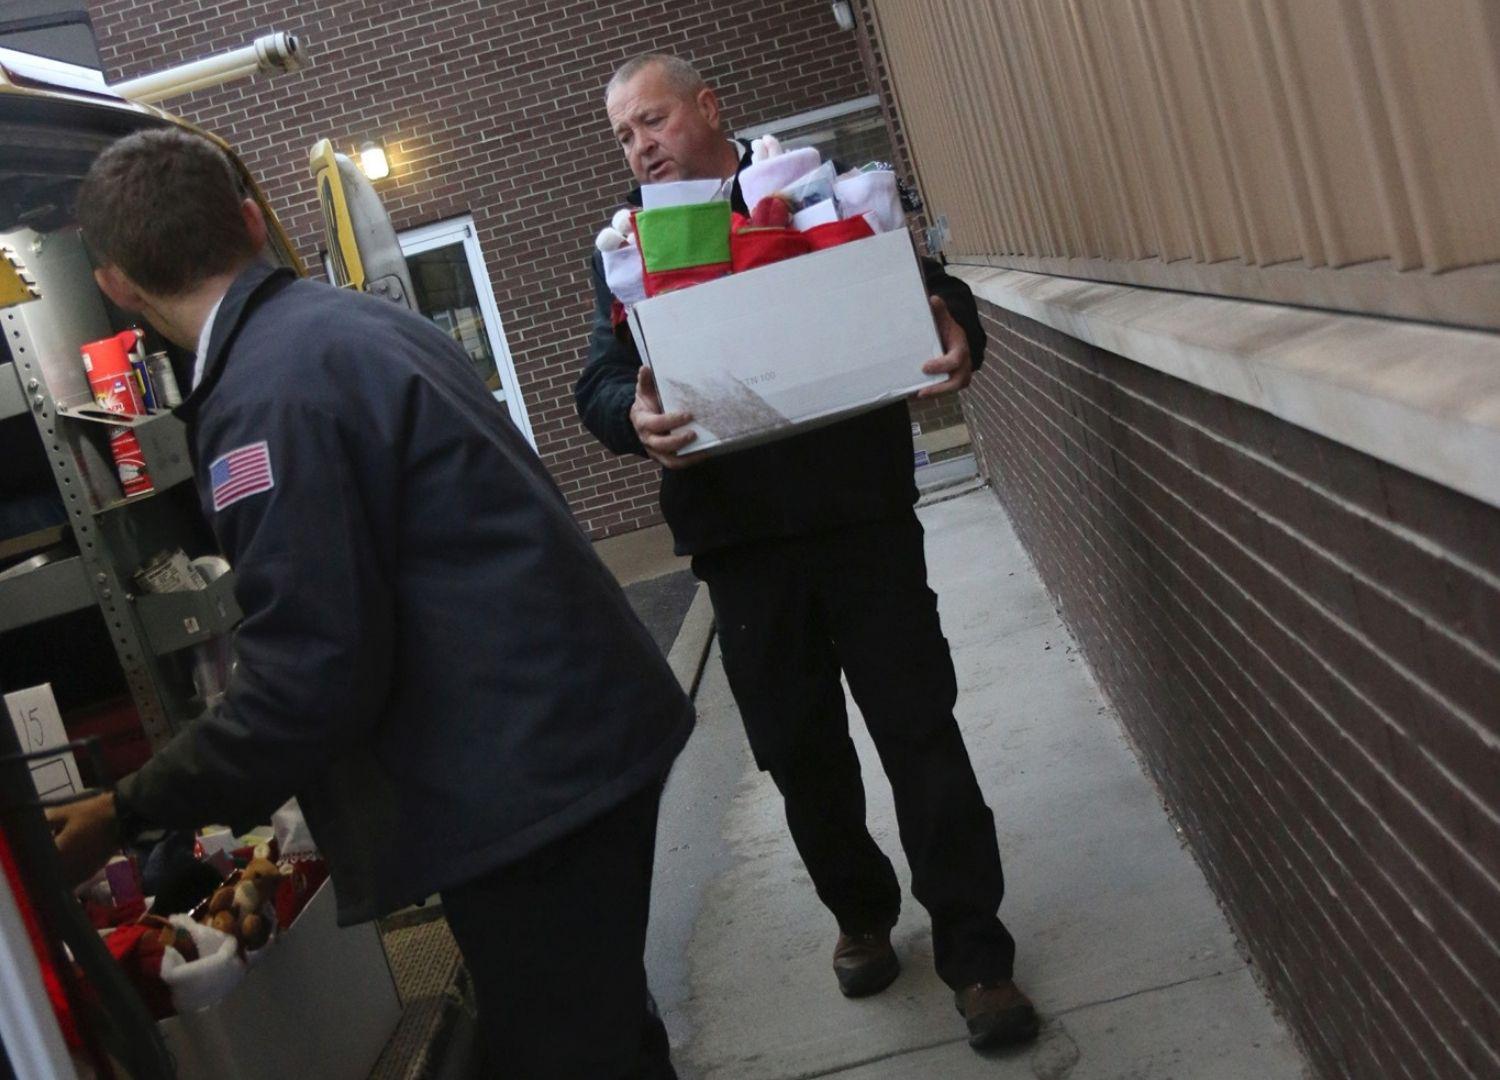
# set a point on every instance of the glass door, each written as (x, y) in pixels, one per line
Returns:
(452, 288)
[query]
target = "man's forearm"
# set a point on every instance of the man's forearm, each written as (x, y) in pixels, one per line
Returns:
(193, 781)
(605, 391)
(604, 399)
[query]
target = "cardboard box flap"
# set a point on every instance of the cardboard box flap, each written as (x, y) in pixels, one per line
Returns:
(321, 1003)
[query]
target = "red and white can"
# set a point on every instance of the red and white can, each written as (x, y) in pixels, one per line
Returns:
(119, 394)
(130, 462)
(112, 380)
(117, 389)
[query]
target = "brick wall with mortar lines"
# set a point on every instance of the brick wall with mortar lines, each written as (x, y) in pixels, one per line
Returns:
(491, 109)
(935, 414)
(1304, 644)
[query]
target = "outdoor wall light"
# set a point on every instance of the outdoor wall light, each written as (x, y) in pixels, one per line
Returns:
(843, 14)
(372, 160)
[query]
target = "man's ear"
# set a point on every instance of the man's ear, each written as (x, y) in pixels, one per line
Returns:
(708, 105)
(120, 289)
(255, 223)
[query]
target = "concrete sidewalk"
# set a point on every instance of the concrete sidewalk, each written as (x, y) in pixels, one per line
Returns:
(1121, 944)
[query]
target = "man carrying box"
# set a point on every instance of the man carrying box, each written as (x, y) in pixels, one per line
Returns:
(813, 556)
(432, 658)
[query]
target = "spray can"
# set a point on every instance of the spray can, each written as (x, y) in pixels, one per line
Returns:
(163, 380)
(130, 462)
(138, 369)
(113, 380)
(111, 376)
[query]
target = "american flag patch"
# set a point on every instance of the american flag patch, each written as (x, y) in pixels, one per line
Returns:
(239, 474)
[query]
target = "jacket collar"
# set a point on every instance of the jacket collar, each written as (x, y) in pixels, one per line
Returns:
(255, 281)
(736, 199)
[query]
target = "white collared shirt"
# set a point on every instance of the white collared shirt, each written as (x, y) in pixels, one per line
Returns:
(203, 336)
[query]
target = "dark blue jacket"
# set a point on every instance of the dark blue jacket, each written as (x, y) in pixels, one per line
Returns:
(432, 658)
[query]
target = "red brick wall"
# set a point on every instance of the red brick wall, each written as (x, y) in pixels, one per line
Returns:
(1304, 644)
(493, 109)
(935, 414)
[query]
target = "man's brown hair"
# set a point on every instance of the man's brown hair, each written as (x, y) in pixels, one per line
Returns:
(164, 206)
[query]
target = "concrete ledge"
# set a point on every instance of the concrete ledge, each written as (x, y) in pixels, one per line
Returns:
(1421, 397)
(640, 555)
(941, 475)
(690, 650)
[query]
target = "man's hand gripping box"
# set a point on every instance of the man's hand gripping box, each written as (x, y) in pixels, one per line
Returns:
(778, 350)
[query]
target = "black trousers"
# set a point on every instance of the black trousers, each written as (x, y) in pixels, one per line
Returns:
(791, 615)
(554, 944)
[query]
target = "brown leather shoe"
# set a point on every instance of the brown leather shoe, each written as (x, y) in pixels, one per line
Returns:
(998, 1014)
(865, 963)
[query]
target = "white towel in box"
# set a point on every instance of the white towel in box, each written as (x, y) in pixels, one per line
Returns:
(874, 195)
(197, 984)
(768, 177)
(624, 274)
(816, 214)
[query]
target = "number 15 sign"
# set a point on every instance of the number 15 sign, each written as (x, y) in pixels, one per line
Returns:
(39, 727)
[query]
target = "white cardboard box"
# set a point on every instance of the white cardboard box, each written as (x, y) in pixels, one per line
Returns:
(320, 1003)
(791, 346)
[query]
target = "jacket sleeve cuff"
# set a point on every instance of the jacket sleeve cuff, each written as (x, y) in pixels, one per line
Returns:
(129, 822)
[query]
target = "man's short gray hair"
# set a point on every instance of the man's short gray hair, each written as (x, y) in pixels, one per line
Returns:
(682, 76)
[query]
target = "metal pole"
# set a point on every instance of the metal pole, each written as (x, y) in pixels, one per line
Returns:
(269, 54)
(28, 1028)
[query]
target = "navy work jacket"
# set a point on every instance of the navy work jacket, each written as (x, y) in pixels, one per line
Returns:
(432, 658)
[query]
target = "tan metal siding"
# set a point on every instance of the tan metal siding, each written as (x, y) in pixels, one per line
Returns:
(1338, 153)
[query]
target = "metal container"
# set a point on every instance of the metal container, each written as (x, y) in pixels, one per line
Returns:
(143, 381)
(169, 571)
(163, 380)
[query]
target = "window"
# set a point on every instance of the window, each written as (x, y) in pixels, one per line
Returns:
(851, 133)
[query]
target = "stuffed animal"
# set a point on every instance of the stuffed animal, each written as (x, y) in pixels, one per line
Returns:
(765, 148)
(623, 272)
(258, 884)
(609, 239)
(239, 909)
(618, 232)
(254, 932)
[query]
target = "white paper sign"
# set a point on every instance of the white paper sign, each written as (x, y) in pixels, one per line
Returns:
(39, 726)
(681, 193)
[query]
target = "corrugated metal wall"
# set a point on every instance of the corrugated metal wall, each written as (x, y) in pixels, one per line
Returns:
(1336, 153)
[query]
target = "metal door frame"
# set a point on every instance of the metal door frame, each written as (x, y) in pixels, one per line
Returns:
(461, 230)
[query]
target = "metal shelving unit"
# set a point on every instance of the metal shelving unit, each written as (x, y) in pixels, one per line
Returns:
(44, 592)
(113, 534)
(12, 397)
